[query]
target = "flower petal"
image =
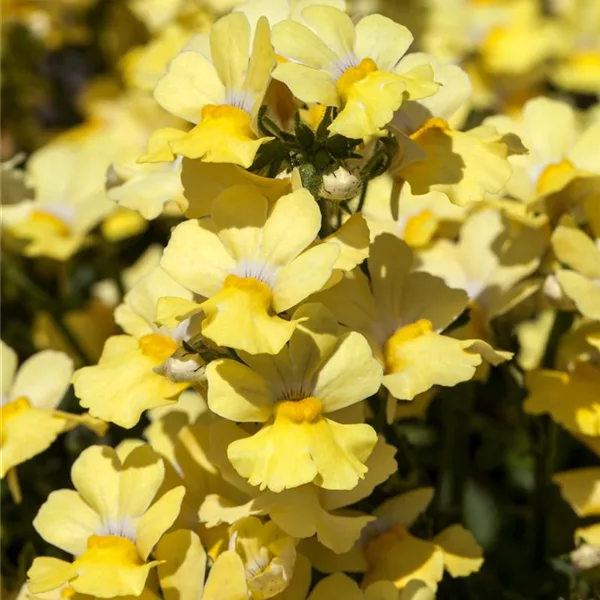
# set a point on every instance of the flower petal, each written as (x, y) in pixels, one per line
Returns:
(95, 475)
(296, 41)
(339, 383)
(239, 215)
(157, 519)
(230, 48)
(190, 83)
(330, 453)
(180, 258)
(308, 84)
(181, 573)
(44, 378)
(305, 275)
(383, 40)
(584, 292)
(66, 521)
(238, 393)
(227, 579)
(462, 554)
(297, 212)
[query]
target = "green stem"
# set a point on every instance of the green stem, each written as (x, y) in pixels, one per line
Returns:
(454, 459)
(44, 302)
(546, 448)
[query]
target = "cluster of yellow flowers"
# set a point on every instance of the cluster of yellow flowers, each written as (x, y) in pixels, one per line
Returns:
(344, 247)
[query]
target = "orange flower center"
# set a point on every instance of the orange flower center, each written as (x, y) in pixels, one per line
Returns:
(392, 350)
(157, 347)
(354, 75)
(307, 410)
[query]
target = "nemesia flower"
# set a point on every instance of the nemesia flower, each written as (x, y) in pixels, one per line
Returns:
(218, 84)
(391, 207)
(302, 511)
(125, 382)
(557, 155)
(387, 551)
(489, 261)
(256, 263)
(402, 312)
(291, 393)
(393, 554)
(67, 177)
(110, 523)
(259, 563)
(29, 422)
(356, 69)
(581, 282)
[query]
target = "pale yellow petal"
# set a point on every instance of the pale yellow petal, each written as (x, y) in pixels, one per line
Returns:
(180, 258)
(66, 521)
(294, 40)
(227, 579)
(297, 212)
(157, 519)
(305, 275)
(462, 554)
(584, 292)
(383, 40)
(229, 48)
(43, 379)
(238, 393)
(181, 575)
(190, 83)
(142, 473)
(333, 26)
(308, 84)
(574, 248)
(338, 383)
(581, 489)
(404, 509)
(337, 585)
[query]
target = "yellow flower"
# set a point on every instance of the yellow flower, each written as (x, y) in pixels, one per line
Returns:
(340, 585)
(302, 511)
(291, 393)
(581, 489)
(582, 284)
(402, 312)
(395, 555)
(260, 563)
(148, 187)
(125, 382)
(558, 155)
(204, 182)
(387, 551)
(333, 63)
(570, 398)
(491, 261)
(220, 88)
(435, 156)
(253, 264)
(110, 523)
(29, 422)
(391, 207)
(68, 178)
